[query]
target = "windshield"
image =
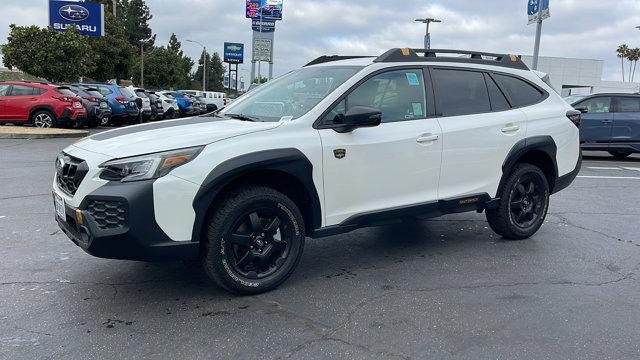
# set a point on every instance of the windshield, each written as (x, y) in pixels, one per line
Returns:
(66, 91)
(141, 94)
(95, 93)
(294, 94)
(170, 96)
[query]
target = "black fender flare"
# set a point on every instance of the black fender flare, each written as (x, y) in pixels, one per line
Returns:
(544, 143)
(290, 161)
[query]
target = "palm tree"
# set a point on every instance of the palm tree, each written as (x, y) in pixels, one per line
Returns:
(622, 51)
(635, 56)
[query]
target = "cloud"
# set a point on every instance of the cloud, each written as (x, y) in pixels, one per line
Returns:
(577, 28)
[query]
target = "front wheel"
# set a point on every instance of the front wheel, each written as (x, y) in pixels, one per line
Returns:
(254, 240)
(524, 204)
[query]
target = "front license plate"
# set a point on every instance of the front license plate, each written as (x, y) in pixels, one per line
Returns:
(59, 204)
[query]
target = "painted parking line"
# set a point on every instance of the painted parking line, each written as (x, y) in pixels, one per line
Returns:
(603, 168)
(610, 177)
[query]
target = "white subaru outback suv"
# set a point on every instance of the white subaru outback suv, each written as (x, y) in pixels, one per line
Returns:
(341, 144)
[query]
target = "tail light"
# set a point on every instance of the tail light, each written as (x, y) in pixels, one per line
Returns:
(64, 98)
(575, 116)
(92, 99)
(122, 100)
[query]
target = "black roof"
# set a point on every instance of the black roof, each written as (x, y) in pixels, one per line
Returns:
(436, 55)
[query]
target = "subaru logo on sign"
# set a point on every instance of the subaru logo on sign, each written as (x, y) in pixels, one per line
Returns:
(74, 13)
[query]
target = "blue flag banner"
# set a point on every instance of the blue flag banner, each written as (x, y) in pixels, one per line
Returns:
(88, 17)
(538, 10)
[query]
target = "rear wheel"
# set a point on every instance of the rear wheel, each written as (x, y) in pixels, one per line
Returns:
(43, 119)
(524, 204)
(620, 154)
(254, 240)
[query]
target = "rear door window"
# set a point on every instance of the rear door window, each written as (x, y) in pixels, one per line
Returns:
(460, 92)
(628, 104)
(520, 92)
(22, 90)
(597, 105)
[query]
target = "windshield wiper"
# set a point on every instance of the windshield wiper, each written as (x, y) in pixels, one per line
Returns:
(243, 117)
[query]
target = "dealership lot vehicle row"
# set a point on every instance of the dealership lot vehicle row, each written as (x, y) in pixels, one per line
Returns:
(90, 105)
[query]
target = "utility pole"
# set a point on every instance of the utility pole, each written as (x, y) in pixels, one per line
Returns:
(536, 49)
(204, 64)
(142, 64)
(427, 36)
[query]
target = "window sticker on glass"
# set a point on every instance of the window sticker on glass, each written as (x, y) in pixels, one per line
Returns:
(412, 78)
(417, 109)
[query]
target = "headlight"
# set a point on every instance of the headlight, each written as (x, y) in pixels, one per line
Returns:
(147, 167)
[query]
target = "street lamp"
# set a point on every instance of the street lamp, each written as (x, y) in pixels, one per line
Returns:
(427, 36)
(204, 65)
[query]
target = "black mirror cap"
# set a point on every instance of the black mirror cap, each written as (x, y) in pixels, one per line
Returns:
(583, 109)
(360, 116)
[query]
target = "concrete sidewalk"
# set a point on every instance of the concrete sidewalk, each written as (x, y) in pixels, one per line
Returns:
(27, 132)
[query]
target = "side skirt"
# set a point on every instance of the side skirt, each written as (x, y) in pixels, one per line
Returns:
(477, 202)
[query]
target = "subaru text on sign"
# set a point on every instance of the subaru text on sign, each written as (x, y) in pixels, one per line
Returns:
(88, 17)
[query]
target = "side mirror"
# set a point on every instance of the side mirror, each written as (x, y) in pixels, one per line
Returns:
(359, 116)
(583, 109)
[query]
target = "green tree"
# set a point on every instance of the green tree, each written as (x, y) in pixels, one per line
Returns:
(135, 16)
(114, 54)
(215, 73)
(164, 69)
(55, 56)
(260, 80)
(175, 45)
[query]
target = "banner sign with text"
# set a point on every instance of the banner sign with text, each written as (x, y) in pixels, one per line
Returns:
(88, 17)
(264, 9)
(538, 10)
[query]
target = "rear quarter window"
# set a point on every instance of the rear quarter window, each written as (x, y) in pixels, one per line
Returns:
(520, 92)
(460, 92)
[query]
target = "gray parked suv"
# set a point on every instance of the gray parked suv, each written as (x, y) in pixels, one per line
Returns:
(610, 122)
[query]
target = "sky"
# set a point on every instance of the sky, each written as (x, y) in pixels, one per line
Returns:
(589, 29)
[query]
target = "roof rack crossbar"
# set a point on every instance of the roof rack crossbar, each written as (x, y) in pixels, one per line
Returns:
(431, 55)
(330, 58)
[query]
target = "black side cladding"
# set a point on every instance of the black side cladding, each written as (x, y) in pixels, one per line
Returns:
(290, 161)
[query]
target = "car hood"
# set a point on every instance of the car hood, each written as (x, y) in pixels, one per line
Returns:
(169, 135)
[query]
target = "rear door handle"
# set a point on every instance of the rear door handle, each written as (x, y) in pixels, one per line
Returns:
(427, 138)
(607, 121)
(510, 128)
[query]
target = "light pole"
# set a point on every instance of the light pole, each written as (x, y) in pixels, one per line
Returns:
(115, 4)
(142, 44)
(427, 36)
(204, 65)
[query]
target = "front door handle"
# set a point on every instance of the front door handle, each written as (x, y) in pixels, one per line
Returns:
(427, 138)
(510, 129)
(607, 121)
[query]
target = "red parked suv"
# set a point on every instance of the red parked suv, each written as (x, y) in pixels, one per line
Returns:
(43, 105)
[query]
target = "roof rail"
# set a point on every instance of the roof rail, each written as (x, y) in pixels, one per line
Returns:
(325, 59)
(472, 57)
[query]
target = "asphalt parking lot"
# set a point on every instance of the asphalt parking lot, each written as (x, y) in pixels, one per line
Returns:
(445, 288)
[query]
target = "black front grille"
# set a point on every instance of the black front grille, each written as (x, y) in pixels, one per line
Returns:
(70, 171)
(108, 214)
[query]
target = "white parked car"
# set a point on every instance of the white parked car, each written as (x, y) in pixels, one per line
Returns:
(341, 144)
(169, 105)
(214, 100)
(136, 93)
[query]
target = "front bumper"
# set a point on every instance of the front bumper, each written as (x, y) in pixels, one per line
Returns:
(118, 222)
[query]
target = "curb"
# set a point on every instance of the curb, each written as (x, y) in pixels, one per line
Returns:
(79, 134)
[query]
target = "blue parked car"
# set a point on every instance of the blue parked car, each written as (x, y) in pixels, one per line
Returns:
(184, 102)
(610, 122)
(123, 108)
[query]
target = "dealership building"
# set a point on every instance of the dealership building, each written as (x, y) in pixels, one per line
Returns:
(579, 76)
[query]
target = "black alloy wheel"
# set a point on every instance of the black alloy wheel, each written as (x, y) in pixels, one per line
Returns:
(524, 203)
(254, 240)
(258, 244)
